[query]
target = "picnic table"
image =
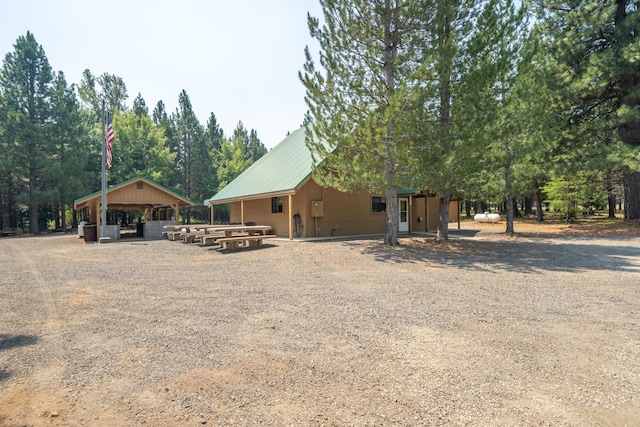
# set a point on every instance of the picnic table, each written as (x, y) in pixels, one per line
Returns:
(228, 236)
(249, 235)
(177, 231)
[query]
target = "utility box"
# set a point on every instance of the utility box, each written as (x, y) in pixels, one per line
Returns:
(317, 208)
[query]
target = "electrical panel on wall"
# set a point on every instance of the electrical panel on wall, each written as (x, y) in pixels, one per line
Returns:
(317, 208)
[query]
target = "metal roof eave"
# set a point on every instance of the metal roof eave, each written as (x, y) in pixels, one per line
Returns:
(253, 197)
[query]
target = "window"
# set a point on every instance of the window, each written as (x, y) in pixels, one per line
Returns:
(139, 185)
(378, 204)
(276, 205)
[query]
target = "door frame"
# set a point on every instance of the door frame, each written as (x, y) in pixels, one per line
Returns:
(403, 226)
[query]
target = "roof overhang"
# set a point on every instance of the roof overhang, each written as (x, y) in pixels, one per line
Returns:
(163, 197)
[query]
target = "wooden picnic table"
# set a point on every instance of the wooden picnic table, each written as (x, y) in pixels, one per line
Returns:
(251, 230)
(249, 235)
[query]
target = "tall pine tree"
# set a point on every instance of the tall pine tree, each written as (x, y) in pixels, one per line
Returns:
(25, 85)
(593, 45)
(358, 96)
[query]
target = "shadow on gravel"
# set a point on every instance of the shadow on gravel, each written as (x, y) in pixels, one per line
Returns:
(515, 256)
(11, 341)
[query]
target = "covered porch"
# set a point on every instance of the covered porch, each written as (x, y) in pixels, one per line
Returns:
(158, 206)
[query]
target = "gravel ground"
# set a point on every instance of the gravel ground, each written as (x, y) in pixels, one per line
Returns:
(542, 329)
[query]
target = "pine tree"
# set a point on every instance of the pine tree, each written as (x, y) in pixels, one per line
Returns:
(25, 84)
(191, 149)
(69, 172)
(593, 46)
(358, 97)
(140, 106)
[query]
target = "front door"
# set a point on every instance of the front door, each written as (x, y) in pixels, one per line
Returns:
(403, 218)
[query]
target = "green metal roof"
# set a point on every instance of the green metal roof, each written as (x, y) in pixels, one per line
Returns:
(283, 169)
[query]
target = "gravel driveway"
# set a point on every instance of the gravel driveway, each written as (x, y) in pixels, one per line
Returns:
(537, 330)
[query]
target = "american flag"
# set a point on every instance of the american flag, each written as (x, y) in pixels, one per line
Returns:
(110, 138)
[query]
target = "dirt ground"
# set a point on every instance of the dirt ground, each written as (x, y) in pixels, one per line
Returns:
(537, 329)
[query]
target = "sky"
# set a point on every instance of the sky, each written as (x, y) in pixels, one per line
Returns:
(238, 59)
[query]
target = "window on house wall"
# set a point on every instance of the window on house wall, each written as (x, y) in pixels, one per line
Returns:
(378, 204)
(139, 185)
(276, 205)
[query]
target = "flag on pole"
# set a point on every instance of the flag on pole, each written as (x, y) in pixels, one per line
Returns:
(110, 138)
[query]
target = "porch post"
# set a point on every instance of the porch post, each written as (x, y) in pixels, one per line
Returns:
(242, 212)
(290, 218)
(98, 222)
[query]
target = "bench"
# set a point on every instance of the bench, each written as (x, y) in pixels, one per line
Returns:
(193, 236)
(210, 239)
(254, 241)
(175, 235)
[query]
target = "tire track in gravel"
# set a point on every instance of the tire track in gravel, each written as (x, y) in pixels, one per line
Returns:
(43, 363)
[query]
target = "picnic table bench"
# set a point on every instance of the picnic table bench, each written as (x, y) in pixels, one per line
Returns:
(233, 243)
(211, 239)
(176, 233)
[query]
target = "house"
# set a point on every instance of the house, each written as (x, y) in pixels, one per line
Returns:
(158, 205)
(278, 190)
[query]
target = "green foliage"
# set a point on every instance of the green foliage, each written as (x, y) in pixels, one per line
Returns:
(25, 84)
(51, 141)
(235, 154)
(233, 160)
(362, 96)
(594, 73)
(570, 194)
(139, 150)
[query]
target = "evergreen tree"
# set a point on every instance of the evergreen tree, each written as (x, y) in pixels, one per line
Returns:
(111, 88)
(190, 149)
(167, 124)
(88, 94)
(214, 138)
(500, 64)
(69, 172)
(139, 106)
(456, 77)
(25, 84)
(593, 45)
(358, 96)
(251, 144)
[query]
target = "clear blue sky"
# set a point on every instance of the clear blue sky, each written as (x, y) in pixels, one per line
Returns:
(236, 58)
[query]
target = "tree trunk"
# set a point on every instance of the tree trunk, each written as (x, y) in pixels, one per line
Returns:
(33, 211)
(479, 207)
(510, 214)
(632, 196)
(611, 197)
(528, 206)
(443, 217)
(390, 52)
(539, 212)
(467, 208)
(507, 185)
(391, 234)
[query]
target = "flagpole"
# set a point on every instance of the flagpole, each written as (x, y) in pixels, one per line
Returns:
(103, 215)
